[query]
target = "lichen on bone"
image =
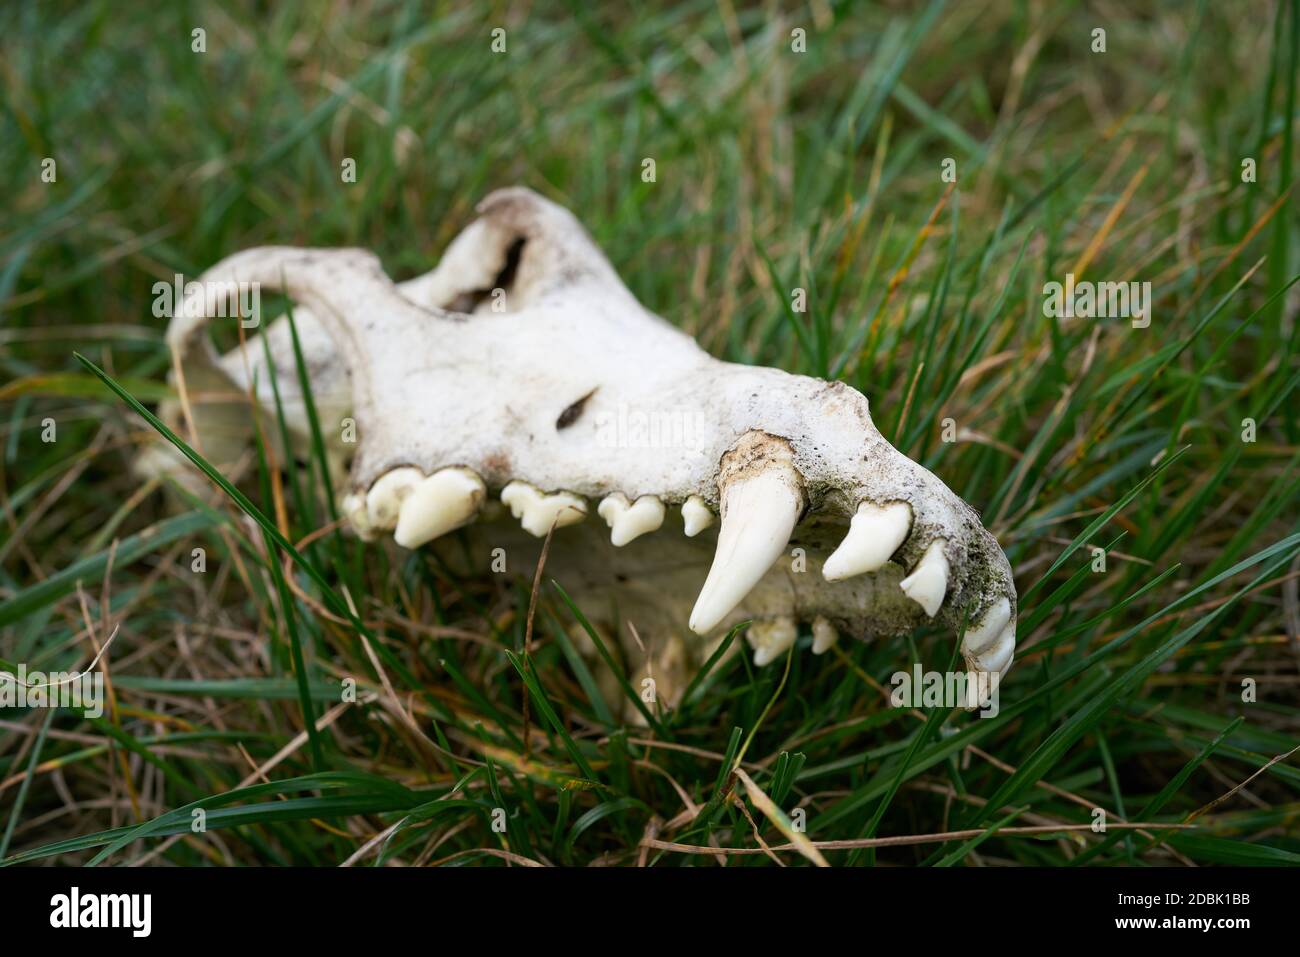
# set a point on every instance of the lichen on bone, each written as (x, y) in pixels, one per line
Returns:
(497, 378)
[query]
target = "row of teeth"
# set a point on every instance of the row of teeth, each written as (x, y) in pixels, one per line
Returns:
(988, 649)
(759, 513)
(420, 508)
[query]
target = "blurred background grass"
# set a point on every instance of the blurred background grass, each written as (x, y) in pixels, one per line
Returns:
(774, 170)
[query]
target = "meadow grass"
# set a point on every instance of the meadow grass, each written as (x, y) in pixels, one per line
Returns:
(1159, 690)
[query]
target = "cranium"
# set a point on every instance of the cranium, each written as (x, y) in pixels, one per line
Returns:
(519, 390)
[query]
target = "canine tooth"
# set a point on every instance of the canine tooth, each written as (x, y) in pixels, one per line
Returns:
(824, 635)
(384, 500)
(759, 512)
(445, 500)
(625, 521)
(875, 533)
(996, 619)
(771, 638)
(537, 510)
(928, 583)
(696, 516)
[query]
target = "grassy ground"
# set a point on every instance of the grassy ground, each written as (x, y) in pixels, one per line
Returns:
(774, 169)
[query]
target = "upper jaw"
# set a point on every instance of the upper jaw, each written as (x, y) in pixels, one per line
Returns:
(544, 399)
(783, 460)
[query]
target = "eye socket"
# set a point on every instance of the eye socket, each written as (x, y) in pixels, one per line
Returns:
(467, 302)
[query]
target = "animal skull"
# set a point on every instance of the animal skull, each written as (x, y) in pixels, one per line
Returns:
(522, 368)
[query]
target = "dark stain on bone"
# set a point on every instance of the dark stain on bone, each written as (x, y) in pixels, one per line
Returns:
(570, 415)
(497, 464)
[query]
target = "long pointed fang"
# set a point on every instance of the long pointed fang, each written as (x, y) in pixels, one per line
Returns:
(759, 511)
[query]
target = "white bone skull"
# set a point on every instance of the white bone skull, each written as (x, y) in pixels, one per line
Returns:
(522, 368)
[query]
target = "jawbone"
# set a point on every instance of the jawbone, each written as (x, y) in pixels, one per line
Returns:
(519, 389)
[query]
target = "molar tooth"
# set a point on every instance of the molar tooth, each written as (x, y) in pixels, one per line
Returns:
(875, 533)
(824, 635)
(445, 500)
(384, 500)
(537, 510)
(759, 511)
(696, 516)
(626, 521)
(771, 638)
(995, 620)
(928, 583)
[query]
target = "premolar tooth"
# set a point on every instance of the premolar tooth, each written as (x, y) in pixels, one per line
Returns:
(537, 510)
(759, 511)
(824, 635)
(928, 583)
(384, 500)
(612, 506)
(875, 533)
(696, 516)
(979, 638)
(625, 521)
(771, 638)
(445, 500)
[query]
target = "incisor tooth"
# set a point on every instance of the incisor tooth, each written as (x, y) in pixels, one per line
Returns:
(759, 509)
(445, 500)
(980, 637)
(928, 583)
(354, 510)
(997, 656)
(824, 635)
(979, 692)
(537, 510)
(989, 651)
(696, 516)
(384, 500)
(626, 521)
(991, 662)
(771, 638)
(875, 533)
